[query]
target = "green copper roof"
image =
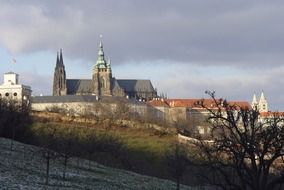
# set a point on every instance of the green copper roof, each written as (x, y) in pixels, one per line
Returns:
(101, 62)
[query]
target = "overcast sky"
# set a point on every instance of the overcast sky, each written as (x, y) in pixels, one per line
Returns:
(185, 47)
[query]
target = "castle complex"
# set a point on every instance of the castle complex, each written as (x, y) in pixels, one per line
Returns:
(103, 90)
(102, 82)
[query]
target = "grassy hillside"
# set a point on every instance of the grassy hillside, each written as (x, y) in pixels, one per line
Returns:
(145, 148)
(23, 168)
(144, 145)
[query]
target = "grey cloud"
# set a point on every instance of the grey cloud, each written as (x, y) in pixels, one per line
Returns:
(245, 35)
(232, 87)
(202, 32)
(41, 84)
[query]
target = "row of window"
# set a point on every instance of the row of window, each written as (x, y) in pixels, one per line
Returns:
(8, 94)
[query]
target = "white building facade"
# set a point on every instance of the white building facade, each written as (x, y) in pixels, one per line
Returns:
(12, 90)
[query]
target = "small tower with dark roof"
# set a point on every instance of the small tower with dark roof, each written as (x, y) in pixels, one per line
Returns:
(102, 75)
(59, 79)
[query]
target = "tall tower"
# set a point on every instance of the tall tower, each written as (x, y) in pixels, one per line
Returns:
(262, 103)
(59, 79)
(254, 103)
(102, 75)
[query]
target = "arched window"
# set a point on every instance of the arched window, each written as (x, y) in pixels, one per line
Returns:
(15, 94)
(6, 94)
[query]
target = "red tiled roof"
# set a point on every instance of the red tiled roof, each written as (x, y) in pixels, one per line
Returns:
(158, 103)
(207, 102)
(241, 104)
(267, 114)
(188, 102)
(193, 103)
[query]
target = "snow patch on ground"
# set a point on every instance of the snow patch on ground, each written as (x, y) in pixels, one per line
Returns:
(23, 168)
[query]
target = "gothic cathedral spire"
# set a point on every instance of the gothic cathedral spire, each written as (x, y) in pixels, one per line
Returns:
(59, 79)
(61, 59)
(101, 62)
(57, 61)
(102, 75)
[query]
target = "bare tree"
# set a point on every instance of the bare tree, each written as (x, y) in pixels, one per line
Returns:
(177, 162)
(106, 143)
(90, 144)
(103, 113)
(88, 114)
(47, 141)
(122, 110)
(246, 153)
(14, 116)
(65, 146)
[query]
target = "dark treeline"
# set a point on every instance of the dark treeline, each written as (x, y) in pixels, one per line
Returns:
(14, 119)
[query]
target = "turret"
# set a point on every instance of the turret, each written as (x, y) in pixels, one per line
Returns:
(108, 63)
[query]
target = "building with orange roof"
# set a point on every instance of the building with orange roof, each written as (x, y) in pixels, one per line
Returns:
(266, 116)
(190, 112)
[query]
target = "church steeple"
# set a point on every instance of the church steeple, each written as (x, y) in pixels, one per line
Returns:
(262, 98)
(262, 103)
(101, 62)
(254, 103)
(61, 58)
(59, 79)
(102, 74)
(57, 61)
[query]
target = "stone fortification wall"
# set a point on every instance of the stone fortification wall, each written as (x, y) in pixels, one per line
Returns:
(78, 107)
(109, 107)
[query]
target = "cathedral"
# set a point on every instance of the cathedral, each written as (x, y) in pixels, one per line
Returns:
(102, 82)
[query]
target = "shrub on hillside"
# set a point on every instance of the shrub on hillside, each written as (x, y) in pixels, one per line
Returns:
(14, 119)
